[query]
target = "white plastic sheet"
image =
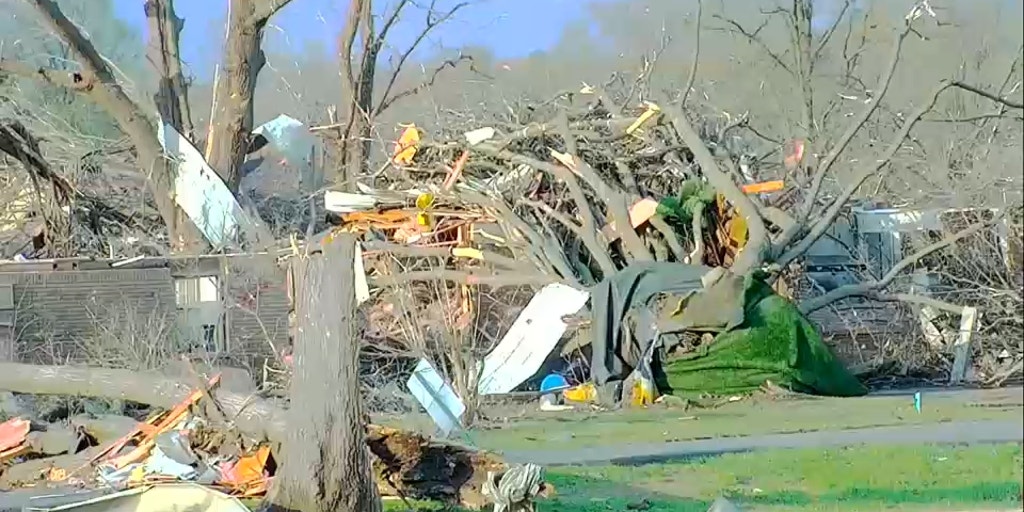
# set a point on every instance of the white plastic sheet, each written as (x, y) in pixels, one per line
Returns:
(201, 193)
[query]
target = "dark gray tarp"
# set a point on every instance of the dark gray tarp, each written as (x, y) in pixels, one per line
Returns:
(759, 335)
(636, 287)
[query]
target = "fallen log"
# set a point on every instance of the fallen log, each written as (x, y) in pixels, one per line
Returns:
(405, 463)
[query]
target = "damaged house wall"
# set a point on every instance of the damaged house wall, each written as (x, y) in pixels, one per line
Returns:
(231, 309)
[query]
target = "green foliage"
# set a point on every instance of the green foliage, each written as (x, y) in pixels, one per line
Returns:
(679, 210)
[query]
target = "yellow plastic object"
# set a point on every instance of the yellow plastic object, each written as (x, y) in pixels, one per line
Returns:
(405, 147)
(644, 391)
(652, 110)
(583, 393)
(424, 203)
(736, 224)
(137, 475)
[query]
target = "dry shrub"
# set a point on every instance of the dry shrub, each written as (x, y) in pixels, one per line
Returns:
(436, 321)
(126, 336)
(983, 270)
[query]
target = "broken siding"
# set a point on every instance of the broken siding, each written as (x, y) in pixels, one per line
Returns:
(67, 304)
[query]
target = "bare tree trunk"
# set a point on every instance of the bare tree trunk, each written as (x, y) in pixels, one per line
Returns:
(171, 97)
(355, 142)
(232, 121)
(326, 463)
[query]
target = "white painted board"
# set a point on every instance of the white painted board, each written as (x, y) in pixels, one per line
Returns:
(200, 193)
(533, 336)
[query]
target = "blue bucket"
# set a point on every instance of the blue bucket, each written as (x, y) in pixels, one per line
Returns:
(553, 383)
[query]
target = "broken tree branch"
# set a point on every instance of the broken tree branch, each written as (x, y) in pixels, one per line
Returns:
(618, 209)
(826, 219)
(98, 83)
(671, 238)
(696, 55)
(1002, 100)
(863, 289)
(441, 252)
(15, 140)
(171, 97)
(472, 277)
(590, 229)
(911, 298)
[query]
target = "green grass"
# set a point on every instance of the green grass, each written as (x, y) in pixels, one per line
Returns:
(563, 431)
(864, 478)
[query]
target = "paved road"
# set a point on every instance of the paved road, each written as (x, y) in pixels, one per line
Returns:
(960, 432)
(977, 432)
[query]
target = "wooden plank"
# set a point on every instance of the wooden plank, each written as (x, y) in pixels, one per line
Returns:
(962, 346)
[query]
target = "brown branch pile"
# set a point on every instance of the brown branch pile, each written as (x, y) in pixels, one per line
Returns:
(551, 196)
(76, 219)
(551, 187)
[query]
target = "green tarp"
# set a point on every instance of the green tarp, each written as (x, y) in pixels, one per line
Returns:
(774, 342)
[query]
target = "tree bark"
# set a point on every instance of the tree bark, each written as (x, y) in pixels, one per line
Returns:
(358, 90)
(171, 98)
(231, 123)
(326, 467)
(163, 52)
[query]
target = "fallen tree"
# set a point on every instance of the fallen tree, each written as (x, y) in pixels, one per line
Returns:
(405, 464)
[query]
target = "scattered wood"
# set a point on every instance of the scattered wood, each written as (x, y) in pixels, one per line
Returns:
(404, 463)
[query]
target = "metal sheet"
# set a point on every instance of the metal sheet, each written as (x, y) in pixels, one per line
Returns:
(199, 191)
(437, 397)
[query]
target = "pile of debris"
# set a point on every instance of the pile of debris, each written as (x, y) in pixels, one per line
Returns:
(517, 192)
(578, 192)
(190, 443)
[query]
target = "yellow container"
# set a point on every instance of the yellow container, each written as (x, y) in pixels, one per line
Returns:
(585, 392)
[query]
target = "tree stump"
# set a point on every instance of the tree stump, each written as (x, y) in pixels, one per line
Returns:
(326, 463)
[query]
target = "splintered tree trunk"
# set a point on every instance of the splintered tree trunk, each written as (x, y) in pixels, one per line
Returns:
(231, 122)
(171, 98)
(326, 463)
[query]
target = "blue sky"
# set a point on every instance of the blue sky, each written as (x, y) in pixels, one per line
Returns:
(510, 28)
